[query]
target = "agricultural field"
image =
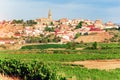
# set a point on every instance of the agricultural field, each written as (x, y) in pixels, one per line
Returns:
(61, 61)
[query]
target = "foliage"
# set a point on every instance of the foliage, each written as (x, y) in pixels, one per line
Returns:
(51, 23)
(50, 38)
(119, 27)
(42, 39)
(86, 33)
(71, 45)
(82, 73)
(116, 35)
(32, 39)
(79, 25)
(18, 21)
(50, 29)
(77, 35)
(57, 39)
(94, 45)
(68, 70)
(77, 45)
(30, 23)
(44, 46)
(76, 55)
(34, 70)
(109, 46)
(36, 54)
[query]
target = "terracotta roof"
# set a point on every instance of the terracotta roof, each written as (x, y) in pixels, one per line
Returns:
(64, 20)
(95, 29)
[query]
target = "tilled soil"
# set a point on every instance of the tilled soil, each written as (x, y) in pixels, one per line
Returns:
(99, 64)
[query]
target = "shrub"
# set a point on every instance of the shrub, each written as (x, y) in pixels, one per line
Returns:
(34, 70)
(77, 35)
(3, 46)
(71, 45)
(94, 45)
(44, 46)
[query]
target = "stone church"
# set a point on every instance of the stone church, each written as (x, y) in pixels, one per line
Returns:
(45, 21)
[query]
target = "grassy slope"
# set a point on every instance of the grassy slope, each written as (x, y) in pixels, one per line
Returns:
(81, 73)
(82, 55)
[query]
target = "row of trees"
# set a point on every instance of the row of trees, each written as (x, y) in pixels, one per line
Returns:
(28, 22)
(25, 23)
(43, 39)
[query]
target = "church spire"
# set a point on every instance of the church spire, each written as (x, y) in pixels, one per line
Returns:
(49, 14)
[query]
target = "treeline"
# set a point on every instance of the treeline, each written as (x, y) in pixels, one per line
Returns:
(43, 39)
(44, 46)
(68, 45)
(74, 46)
(24, 23)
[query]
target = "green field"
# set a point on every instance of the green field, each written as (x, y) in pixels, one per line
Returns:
(76, 45)
(56, 58)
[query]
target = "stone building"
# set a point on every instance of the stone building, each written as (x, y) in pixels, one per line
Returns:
(98, 24)
(45, 21)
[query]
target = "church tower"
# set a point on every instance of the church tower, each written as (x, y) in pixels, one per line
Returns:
(50, 15)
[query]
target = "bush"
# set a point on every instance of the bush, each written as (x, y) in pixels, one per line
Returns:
(44, 46)
(71, 45)
(94, 45)
(34, 70)
(77, 35)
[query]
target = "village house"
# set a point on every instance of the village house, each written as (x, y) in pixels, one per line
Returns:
(98, 24)
(110, 25)
(64, 21)
(65, 33)
(28, 31)
(6, 41)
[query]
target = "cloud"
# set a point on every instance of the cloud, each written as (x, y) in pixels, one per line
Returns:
(32, 9)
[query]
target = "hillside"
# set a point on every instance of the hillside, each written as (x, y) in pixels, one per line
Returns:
(8, 30)
(100, 37)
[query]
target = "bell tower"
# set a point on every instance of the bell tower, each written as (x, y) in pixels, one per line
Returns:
(50, 15)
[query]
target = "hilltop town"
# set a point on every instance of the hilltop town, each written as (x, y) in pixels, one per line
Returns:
(46, 30)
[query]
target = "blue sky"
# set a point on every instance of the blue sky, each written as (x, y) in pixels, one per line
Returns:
(107, 10)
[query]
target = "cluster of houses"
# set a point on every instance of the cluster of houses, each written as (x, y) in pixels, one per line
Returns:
(63, 28)
(67, 28)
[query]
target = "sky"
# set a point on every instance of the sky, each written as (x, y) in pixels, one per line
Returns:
(106, 10)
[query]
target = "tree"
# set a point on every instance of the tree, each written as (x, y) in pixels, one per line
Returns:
(71, 45)
(50, 29)
(79, 25)
(119, 28)
(51, 23)
(30, 22)
(77, 35)
(57, 39)
(94, 45)
(45, 40)
(18, 21)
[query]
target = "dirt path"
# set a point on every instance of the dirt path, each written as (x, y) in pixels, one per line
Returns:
(99, 64)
